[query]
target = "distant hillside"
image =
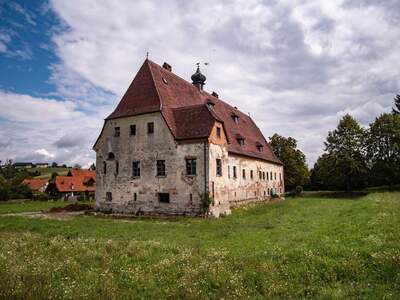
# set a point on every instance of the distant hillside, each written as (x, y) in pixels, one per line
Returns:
(45, 173)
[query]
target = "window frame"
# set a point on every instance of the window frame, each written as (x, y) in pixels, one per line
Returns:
(161, 198)
(218, 163)
(136, 169)
(160, 168)
(150, 127)
(191, 166)
(132, 129)
(117, 131)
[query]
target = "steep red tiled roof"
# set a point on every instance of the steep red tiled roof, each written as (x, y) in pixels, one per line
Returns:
(77, 180)
(184, 108)
(35, 184)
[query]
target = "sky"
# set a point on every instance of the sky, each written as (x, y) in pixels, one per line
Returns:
(295, 66)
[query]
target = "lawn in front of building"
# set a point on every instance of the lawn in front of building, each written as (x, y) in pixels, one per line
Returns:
(302, 247)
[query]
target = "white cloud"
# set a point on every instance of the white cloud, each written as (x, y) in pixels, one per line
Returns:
(25, 108)
(296, 66)
(45, 153)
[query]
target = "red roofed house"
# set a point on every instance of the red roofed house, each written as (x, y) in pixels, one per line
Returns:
(77, 183)
(36, 185)
(169, 141)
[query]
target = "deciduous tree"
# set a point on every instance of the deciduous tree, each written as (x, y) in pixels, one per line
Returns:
(295, 167)
(384, 149)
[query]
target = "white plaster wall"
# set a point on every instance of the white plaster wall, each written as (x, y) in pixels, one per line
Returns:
(229, 191)
(147, 149)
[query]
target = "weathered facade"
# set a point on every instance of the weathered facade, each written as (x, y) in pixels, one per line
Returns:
(168, 142)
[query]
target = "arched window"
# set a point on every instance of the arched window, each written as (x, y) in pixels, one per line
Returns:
(111, 156)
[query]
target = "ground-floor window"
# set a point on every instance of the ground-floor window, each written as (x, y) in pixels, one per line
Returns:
(108, 196)
(163, 197)
(134, 197)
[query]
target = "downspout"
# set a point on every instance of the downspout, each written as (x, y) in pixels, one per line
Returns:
(205, 167)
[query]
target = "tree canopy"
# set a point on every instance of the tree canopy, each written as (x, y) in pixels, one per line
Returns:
(384, 149)
(295, 167)
(344, 164)
(396, 108)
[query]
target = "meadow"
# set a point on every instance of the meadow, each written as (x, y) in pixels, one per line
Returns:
(321, 248)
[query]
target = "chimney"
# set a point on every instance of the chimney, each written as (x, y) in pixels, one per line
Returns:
(167, 66)
(215, 94)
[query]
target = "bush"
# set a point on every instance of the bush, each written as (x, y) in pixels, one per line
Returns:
(299, 190)
(41, 196)
(206, 202)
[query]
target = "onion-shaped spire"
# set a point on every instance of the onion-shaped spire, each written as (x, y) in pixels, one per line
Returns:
(198, 79)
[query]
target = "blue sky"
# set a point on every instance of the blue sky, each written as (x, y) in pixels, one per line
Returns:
(296, 66)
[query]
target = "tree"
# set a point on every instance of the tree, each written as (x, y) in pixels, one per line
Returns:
(54, 165)
(384, 149)
(344, 165)
(296, 171)
(53, 176)
(396, 108)
(77, 166)
(93, 167)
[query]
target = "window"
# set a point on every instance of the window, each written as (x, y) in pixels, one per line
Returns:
(229, 172)
(104, 167)
(111, 156)
(219, 167)
(133, 129)
(270, 175)
(244, 174)
(268, 192)
(235, 119)
(150, 128)
(219, 132)
(160, 167)
(260, 148)
(275, 175)
(234, 172)
(264, 193)
(191, 166)
(267, 176)
(108, 196)
(259, 175)
(263, 175)
(241, 141)
(163, 197)
(251, 174)
(117, 131)
(136, 169)
(134, 196)
(116, 167)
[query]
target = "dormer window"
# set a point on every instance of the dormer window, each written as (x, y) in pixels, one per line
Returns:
(210, 104)
(260, 147)
(241, 141)
(219, 132)
(235, 118)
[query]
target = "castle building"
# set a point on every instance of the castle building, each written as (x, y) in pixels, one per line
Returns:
(169, 142)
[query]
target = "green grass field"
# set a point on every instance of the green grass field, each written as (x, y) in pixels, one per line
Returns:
(300, 248)
(45, 173)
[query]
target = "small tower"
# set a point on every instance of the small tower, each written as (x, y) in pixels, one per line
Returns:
(198, 79)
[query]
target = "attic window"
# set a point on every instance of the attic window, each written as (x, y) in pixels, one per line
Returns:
(235, 118)
(210, 104)
(164, 80)
(241, 141)
(260, 147)
(219, 132)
